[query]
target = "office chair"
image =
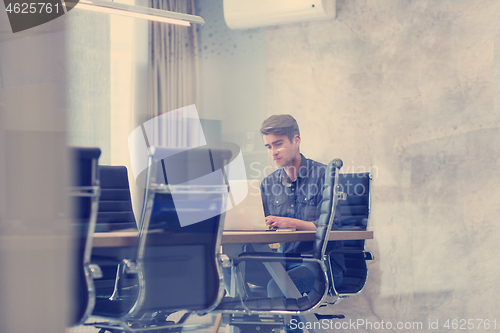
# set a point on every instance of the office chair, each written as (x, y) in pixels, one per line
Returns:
(115, 204)
(177, 265)
(116, 291)
(355, 214)
(85, 193)
(290, 306)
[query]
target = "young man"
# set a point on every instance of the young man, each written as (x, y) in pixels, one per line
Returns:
(292, 196)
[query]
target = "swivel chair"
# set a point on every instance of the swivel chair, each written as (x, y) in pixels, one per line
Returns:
(85, 194)
(355, 214)
(177, 266)
(116, 291)
(275, 307)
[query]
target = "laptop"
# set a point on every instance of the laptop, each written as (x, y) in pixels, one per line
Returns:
(249, 213)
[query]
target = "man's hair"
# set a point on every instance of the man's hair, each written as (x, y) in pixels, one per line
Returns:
(281, 124)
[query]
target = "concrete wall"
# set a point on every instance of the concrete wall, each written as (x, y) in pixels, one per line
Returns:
(409, 89)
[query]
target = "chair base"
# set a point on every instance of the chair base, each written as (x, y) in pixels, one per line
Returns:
(155, 323)
(255, 323)
(332, 316)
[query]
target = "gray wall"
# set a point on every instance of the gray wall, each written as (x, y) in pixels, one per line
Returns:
(406, 89)
(409, 90)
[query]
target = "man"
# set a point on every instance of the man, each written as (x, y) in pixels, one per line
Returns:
(292, 196)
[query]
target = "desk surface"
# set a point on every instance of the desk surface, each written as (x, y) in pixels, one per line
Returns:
(129, 238)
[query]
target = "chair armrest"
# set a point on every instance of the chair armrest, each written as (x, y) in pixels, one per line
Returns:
(353, 223)
(270, 254)
(270, 257)
(367, 255)
(130, 266)
(95, 271)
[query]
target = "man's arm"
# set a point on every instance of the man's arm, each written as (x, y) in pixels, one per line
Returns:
(288, 222)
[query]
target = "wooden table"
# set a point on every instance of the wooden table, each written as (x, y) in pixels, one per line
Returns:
(233, 241)
(129, 238)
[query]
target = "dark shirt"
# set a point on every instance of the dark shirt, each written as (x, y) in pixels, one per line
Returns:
(300, 199)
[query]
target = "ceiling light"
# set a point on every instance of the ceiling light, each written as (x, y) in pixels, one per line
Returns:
(147, 13)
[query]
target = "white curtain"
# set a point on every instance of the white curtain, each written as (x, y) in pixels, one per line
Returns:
(174, 74)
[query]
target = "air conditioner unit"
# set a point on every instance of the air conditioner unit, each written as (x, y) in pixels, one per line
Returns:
(246, 14)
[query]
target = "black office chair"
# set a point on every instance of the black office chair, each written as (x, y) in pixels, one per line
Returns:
(177, 261)
(116, 291)
(310, 302)
(355, 214)
(85, 193)
(115, 204)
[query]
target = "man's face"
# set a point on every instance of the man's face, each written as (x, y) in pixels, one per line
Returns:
(283, 152)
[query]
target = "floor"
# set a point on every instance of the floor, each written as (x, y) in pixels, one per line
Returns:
(206, 322)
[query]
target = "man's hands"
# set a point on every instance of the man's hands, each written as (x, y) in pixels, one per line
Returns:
(280, 222)
(288, 222)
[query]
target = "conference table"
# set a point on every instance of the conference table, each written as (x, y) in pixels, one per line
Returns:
(233, 241)
(129, 237)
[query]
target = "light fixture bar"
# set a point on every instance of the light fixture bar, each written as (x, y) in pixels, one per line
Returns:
(147, 13)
